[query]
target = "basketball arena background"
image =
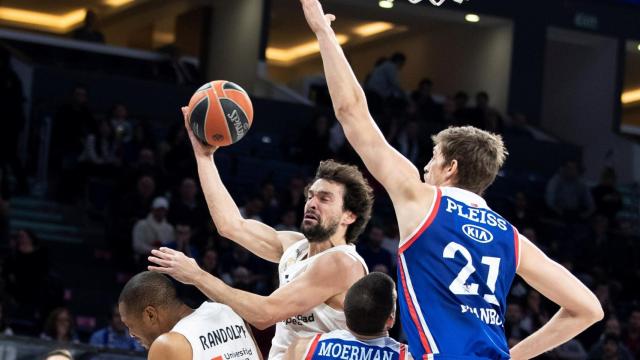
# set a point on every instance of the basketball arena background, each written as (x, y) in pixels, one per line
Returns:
(91, 133)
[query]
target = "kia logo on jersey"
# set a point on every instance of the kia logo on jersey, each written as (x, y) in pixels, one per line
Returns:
(477, 233)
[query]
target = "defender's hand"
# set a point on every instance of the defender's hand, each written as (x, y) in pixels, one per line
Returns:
(199, 148)
(316, 18)
(175, 264)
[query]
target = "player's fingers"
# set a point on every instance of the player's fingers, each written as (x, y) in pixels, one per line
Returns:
(160, 254)
(158, 261)
(158, 269)
(167, 250)
(330, 18)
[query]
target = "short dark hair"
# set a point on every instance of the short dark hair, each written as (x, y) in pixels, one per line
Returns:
(398, 57)
(369, 303)
(147, 289)
(358, 195)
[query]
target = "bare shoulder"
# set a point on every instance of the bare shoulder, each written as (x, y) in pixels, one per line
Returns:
(171, 346)
(288, 238)
(337, 267)
(414, 208)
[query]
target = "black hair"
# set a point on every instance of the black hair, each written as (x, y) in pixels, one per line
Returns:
(369, 303)
(398, 57)
(147, 289)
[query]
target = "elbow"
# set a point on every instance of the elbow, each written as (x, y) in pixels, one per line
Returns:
(263, 322)
(595, 313)
(227, 229)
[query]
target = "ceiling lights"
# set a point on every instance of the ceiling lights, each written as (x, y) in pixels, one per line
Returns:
(385, 4)
(631, 96)
(56, 23)
(473, 18)
(373, 28)
(116, 3)
(287, 56)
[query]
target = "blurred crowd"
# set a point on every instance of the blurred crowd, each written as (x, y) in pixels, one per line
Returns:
(149, 196)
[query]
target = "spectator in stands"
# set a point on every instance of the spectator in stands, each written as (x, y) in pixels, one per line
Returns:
(372, 251)
(178, 160)
(153, 231)
(409, 142)
(293, 197)
(11, 103)
(256, 276)
(101, 149)
(59, 326)
(188, 208)
(571, 350)
(513, 328)
(463, 114)
(518, 127)
(288, 221)
(71, 124)
(520, 214)
(145, 164)
(88, 31)
(59, 354)
(4, 221)
(489, 118)
(385, 83)
(210, 262)
(598, 247)
(26, 270)
(607, 198)
(632, 336)
(534, 314)
(5, 329)
(252, 208)
(271, 208)
(314, 141)
(115, 335)
(183, 241)
(568, 195)
(120, 124)
(604, 349)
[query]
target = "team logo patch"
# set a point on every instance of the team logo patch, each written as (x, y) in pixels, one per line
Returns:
(477, 233)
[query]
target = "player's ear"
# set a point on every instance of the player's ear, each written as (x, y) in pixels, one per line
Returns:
(452, 169)
(150, 314)
(349, 218)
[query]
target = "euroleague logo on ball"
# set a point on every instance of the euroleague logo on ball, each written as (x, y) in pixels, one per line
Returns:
(437, 2)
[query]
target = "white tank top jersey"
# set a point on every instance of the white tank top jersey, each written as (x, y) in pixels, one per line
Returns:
(322, 318)
(215, 332)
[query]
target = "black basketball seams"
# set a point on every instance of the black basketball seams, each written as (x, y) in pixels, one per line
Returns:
(198, 118)
(236, 118)
(232, 86)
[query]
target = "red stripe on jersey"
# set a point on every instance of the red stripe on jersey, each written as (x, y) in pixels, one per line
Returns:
(412, 310)
(426, 224)
(312, 348)
(403, 351)
(516, 245)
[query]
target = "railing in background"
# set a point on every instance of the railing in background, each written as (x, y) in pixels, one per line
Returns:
(25, 348)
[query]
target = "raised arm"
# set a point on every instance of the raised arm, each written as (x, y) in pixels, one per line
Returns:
(330, 275)
(350, 106)
(579, 307)
(260, 239)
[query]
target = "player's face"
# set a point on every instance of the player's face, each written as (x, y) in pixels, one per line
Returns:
(142, 327)
(434, 172)
(323, 211)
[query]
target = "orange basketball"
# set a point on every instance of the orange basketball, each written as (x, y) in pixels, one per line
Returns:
(220, 113)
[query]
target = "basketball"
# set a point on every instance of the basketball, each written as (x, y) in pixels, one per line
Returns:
(220, 113)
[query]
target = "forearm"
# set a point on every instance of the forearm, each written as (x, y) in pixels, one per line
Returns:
(562, 327)
(346, 93)
(222, 208)
(254, 309)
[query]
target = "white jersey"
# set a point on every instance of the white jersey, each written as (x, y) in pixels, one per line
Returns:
(216, 332)
(344, 345)
(322, 318)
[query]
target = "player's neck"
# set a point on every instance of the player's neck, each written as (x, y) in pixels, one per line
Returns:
(181, 312)
(371, 337)
(320, 246)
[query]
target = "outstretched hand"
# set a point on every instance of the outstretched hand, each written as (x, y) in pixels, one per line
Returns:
(175, 264)
(199, 148)
(316, 18)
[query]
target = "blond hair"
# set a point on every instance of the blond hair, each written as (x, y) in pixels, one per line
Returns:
(479, 154)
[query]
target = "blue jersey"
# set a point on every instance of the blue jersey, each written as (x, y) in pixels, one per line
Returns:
(454, 275)
(341, 344)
